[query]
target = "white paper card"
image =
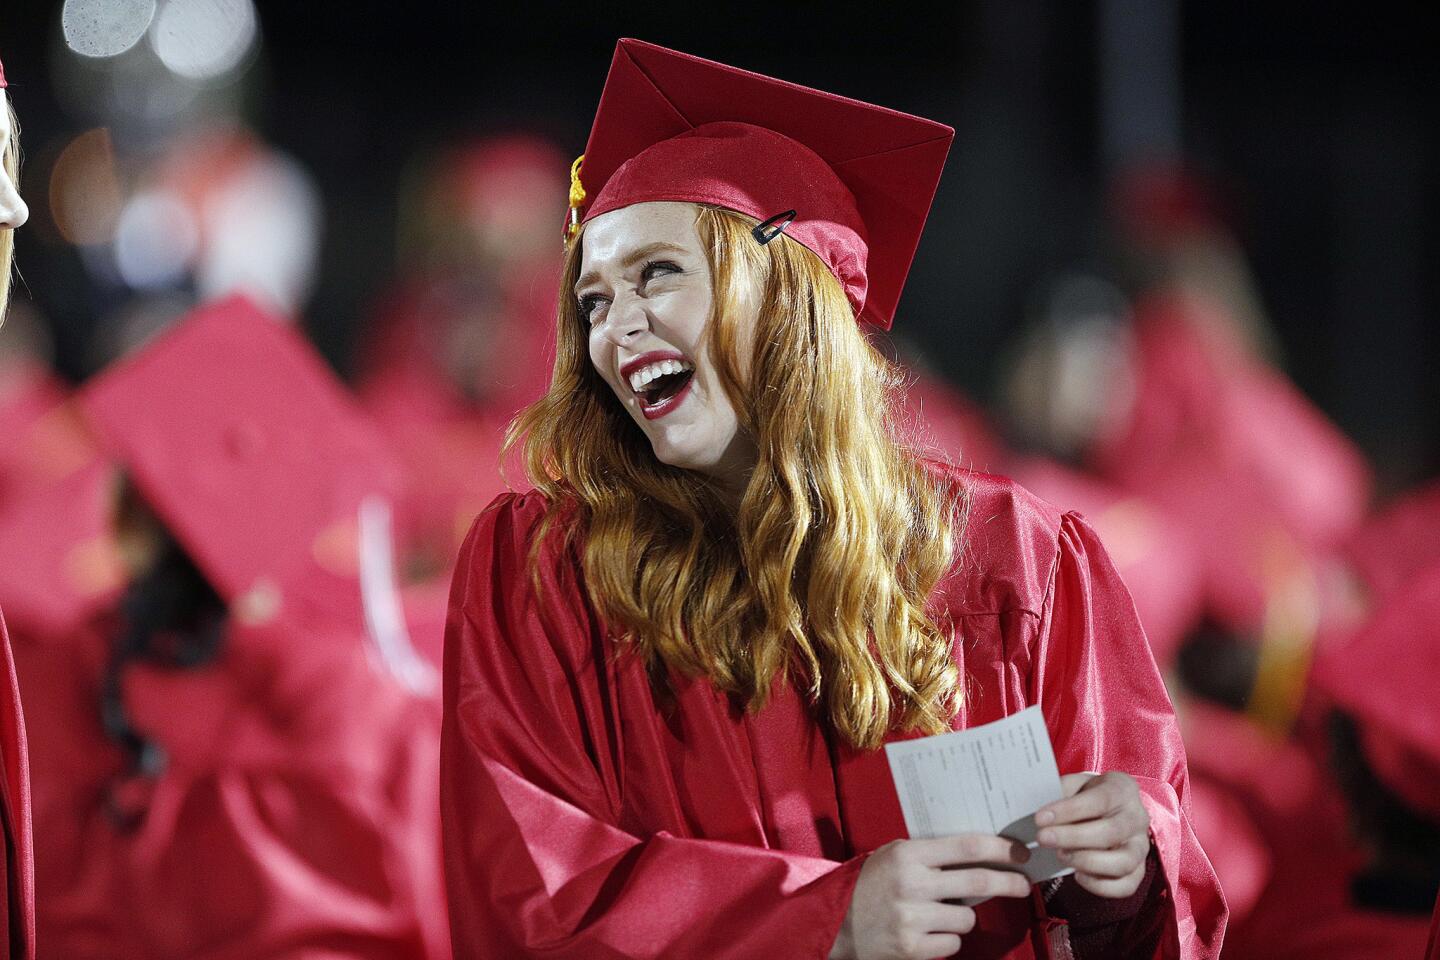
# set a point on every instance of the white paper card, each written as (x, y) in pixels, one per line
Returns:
(987, 779)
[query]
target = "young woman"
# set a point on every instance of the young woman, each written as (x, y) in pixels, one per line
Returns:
(17, 918)
(671, 666)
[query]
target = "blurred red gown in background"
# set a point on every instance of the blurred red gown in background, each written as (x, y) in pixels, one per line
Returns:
(1381, 675)
(294, 814)
(17, 857)
(448, 435)
(52, 568)
(941, 421)
(1397, 543)
(1151, 552)
(27, 393)
(1289, 848)
(1234, 454)
(460, 344)
(587, 816)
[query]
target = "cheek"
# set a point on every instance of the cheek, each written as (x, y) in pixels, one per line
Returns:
(600, 363)
(684, 317)
(593, 349)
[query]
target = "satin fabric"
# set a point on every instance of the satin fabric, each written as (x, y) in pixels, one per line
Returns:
(17, 857)
(1260, 479)
(1304, 908)
(1397, 543)
(1153, 554)
(295, 817)
(450, 439)
(1432, 950)
(28, 392)
(860, 178)
(585, 817)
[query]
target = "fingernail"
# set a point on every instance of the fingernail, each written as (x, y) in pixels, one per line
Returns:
(1046, 836)
(1044, 817)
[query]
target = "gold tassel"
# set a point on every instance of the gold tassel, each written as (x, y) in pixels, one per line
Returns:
(577, 199)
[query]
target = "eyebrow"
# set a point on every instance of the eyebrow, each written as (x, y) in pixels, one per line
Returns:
(632, 258)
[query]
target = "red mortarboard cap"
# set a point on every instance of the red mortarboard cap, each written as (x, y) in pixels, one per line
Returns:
(1385, 676)
(860, 178)
(251, 453)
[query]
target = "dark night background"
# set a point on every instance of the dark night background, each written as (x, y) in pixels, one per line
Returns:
(1316, 119)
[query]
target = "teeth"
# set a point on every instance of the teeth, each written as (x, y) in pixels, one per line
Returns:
(642, 377)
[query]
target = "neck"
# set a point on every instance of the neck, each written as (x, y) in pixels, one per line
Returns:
(731, 475)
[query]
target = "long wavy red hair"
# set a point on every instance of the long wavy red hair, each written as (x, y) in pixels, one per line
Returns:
(822, 576)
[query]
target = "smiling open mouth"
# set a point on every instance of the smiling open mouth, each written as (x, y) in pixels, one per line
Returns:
(664, 387)
(661, 384)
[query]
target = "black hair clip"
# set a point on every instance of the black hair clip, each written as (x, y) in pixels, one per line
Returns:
(772, 228)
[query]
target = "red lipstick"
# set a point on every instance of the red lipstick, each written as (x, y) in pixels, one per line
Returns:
(656, 411)
(654, 356)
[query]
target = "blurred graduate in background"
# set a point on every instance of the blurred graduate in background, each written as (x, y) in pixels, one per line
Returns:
(460, 342)
(236, 756)
(17, 915)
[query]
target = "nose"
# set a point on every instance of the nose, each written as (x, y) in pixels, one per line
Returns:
(626, 319)
(13, 212)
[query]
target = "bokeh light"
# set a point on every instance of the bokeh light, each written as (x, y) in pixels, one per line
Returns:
(155, 240)
(105, 28)
(85, 189)
(203, 39)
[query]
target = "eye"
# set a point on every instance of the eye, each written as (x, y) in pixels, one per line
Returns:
(658, 268)
(586, 306)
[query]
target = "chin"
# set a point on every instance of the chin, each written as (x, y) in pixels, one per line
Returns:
(683, 458)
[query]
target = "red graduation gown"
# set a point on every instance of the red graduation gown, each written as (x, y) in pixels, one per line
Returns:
(1228, 446)
(1397, 543)
(1303, 907)
(1153, 554)
(449, 440)
(584, 819)
(31, 399)
(295, 818)
(1432, 952)
(17, 855)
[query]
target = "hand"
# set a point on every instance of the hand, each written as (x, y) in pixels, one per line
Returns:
(898, 910)
(1101, 829)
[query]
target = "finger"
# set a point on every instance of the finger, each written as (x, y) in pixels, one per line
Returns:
(967, 848)
(1104, 864)
(1112, 889)
(976, 882)
(1091, 802)
(945, 918)
(935, 946)
(1091, 835)
(1073, 783)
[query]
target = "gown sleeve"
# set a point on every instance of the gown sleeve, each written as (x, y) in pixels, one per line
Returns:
(1107, 709)
(18, 863)
(1432, 949)
(300, 779)
(538, 863)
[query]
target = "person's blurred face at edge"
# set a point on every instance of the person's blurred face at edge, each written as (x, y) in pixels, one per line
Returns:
(13, 212)
(646, 291)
